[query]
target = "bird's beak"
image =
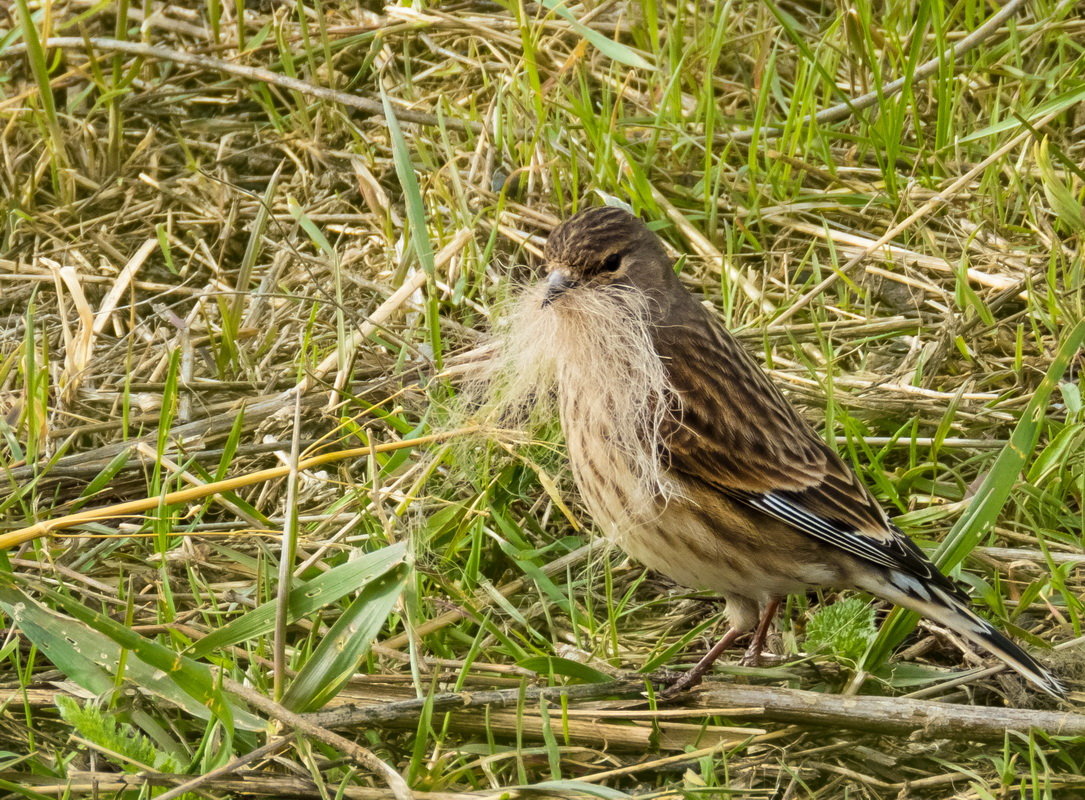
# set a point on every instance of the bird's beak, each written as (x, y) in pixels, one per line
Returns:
(556, 285)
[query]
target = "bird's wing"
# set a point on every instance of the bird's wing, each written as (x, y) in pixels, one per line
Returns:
(736, 433)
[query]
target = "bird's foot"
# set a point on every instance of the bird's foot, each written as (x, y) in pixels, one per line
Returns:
(684, 682)
(694, 676)
(665, 677)
(752, 656)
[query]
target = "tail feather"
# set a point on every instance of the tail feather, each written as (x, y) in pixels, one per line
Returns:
(939, 605)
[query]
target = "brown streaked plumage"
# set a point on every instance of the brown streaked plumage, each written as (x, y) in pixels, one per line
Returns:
(688, 456)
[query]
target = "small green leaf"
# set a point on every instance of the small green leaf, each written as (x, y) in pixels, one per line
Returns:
(1061, 197)
(554, 665)
(119, 741)
(844, 629)
(1071, 396)
(904, 675)
(337, 657)
(412, 193)
(311, 229)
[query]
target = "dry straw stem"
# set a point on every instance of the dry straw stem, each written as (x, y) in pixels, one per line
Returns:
(894, 716)
(246, 784)
(46, 527)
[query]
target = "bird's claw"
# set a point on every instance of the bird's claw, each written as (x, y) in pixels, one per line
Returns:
(752, 657)
(679, 683)
(666, 677)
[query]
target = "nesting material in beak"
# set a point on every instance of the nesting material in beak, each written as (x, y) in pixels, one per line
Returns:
(556, 285)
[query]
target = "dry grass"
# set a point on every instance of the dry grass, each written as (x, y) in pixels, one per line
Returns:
(208, 269)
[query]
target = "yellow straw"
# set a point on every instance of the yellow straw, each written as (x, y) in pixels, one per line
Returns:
(46, 527)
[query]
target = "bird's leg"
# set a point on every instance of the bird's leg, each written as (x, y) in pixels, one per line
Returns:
(752, 658)
(694, 676)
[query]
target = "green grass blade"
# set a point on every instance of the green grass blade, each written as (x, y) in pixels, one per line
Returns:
(40, 69)
(416, 217)
(342, 649)
(84, 647)
(616, 51)
(1055, 104)
(305, 599)
(412, 192)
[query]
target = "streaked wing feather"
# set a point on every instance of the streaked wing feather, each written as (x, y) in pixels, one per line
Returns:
(736, 433)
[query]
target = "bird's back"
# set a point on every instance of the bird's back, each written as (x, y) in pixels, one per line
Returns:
(737, 436)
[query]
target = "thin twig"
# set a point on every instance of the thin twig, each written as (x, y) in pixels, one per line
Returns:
(887, 715)
(896, 716)
(350, 716)
(236, 764)
(251, 783)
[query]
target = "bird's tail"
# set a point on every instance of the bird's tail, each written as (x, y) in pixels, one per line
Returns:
(941, 606)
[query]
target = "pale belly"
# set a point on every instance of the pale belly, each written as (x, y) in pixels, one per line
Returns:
(694, 551)
(698, 547)
(703, 542)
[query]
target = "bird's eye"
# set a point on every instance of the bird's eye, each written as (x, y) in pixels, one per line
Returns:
(611, 263)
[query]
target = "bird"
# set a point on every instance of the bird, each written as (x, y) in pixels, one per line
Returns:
(688, 457)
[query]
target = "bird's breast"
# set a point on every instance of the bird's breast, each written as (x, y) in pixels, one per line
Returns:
(697, 538)
(605, 468)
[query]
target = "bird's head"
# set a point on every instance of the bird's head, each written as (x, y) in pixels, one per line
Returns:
(601, 247)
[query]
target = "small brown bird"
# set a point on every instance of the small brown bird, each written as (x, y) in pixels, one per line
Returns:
(689, 458)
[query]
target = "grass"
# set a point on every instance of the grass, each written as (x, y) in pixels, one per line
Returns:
(205, 274)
